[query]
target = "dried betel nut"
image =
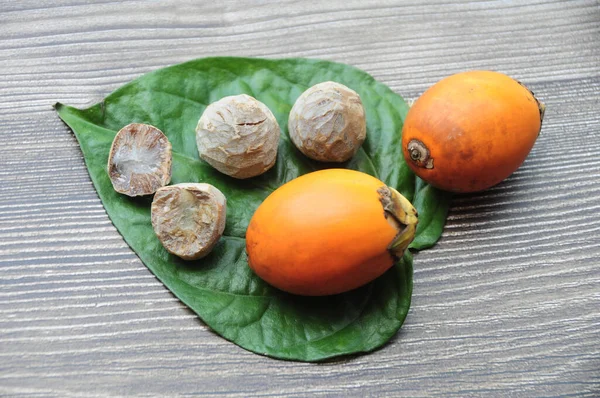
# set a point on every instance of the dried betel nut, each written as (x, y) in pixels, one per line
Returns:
(189, 218)
(327, 122)
(139, 161)
(238, 136)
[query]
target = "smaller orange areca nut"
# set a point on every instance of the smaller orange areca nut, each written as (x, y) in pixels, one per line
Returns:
(189, 218)
(328, 232)
(238, 135)
(327, 122)
(471, 130)
(139, 161)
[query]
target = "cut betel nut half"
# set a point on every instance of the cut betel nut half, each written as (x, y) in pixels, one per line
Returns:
(140, 159)
(189, 218)
(327, 122)
(238, 135)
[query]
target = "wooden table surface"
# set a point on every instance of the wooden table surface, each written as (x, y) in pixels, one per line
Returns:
(506, 304)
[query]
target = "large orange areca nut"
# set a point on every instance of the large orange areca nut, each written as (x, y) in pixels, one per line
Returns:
(471, 130)
(328, 232)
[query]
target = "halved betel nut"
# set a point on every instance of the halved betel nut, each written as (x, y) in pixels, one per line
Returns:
(140, 159)
(189, 218)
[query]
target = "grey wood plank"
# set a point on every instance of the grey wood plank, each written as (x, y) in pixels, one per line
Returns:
(505, 304)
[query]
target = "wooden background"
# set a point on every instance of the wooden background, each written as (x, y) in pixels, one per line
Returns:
(507, 304)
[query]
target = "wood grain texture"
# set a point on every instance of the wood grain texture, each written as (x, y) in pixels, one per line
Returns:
(507, 303)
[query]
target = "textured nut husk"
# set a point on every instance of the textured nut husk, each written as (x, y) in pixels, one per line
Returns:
(189, 218)
(238, 136)
(327, 122)
(140, 159)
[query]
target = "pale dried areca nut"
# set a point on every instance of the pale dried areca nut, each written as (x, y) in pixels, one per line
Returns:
(189, 218)
(238, 135)
(139, 161)
(327, 122)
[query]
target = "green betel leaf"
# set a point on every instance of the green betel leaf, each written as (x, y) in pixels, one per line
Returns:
(221, 288)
